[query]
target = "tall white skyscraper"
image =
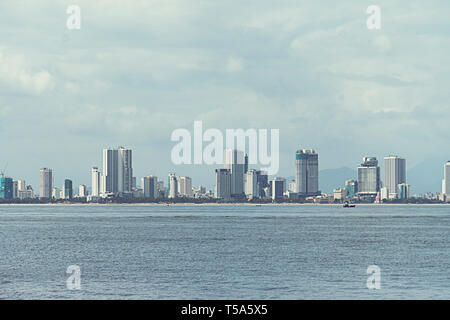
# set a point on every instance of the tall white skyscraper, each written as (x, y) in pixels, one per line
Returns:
(185, 186)
(446, 180)
(82, 191)
(251, 184)
(150, 187)
(45, 187)
(173, 185)
(235, 162)
(394, 174)
(369, 177)
(95, 182)
(117, 174)
(307, 172)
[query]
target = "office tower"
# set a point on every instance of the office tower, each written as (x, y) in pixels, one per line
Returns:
(67, 189)
(446, 180)
(110, 174)
(173, 186)
(251, 184)
(95, 182)
(352, 188)
(245, 163)
(117, 174)
(307, 172)
(56, 193)
(278, 187)
(262, 182)
(403, 191)
(15, 189)
(45, 187)
(6, 188)
(394, 174)
(21, 185)
(82, 191)
(150, 187)
(125, 173)
(27, 193)
(234, 161)
(369, 177)
(222, 189)
(185, 186)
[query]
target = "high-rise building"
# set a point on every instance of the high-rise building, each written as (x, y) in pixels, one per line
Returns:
(262, 182)
(245, 163)
(352, 188)
(278, 186)
(394, 174)
(82, 191)
(57, 193)
(15, 193)
(403, 191)
(95, 182)
(173, 185)
(369, 177)
(117, 174)
(125, 170)
(446, 180)
(235, 162)
(150, 187)
(45, 186)
(185, 187)
(307, 172)
(67, 189)
(251, 184)
(6, 188)
(21, 185)
(222, 189)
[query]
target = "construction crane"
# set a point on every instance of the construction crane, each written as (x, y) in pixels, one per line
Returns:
(2, 172)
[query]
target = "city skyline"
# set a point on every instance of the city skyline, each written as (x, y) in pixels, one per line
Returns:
(117, 164)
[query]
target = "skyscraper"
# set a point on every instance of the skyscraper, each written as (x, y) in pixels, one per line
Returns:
(222, 189)
(369, 177)
(394, 174)
(117, 174)
(6, 188)
(95, 182)
(251, 184)
(45, 186)
(173, 185)
(67, 189)
(125, 167)
(235, 162)
(278, 186)
(307, 172)
(446, 180)
(185, 186)
(150, 187)
(82, 191)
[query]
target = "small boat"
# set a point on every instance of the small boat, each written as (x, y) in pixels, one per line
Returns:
(347, 205)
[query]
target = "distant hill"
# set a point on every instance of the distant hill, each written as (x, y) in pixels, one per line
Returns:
(426, 176)
(330, 179)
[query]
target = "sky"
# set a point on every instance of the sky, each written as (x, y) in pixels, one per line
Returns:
(138, 70)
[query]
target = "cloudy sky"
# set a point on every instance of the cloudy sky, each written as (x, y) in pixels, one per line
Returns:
(137, 70)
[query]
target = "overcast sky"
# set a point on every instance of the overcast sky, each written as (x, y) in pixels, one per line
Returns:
(137, 70)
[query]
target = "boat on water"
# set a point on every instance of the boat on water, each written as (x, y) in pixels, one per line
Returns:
(348, 205)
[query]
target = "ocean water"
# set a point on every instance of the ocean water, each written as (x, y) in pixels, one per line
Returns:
(225, 252)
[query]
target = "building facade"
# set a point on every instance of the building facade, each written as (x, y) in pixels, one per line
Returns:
(150, 187)
(394, 174)
(235, 162)
(45, 186)
(307, 172)
(222, 189)
(369, 177)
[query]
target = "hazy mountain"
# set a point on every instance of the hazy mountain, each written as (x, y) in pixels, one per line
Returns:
(330, 179)
(426, 176)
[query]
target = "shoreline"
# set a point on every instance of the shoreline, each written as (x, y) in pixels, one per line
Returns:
(218, 204)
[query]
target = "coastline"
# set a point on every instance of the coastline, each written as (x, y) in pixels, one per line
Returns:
(218, 204)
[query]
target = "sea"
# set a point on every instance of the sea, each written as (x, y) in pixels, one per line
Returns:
(224, 252)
